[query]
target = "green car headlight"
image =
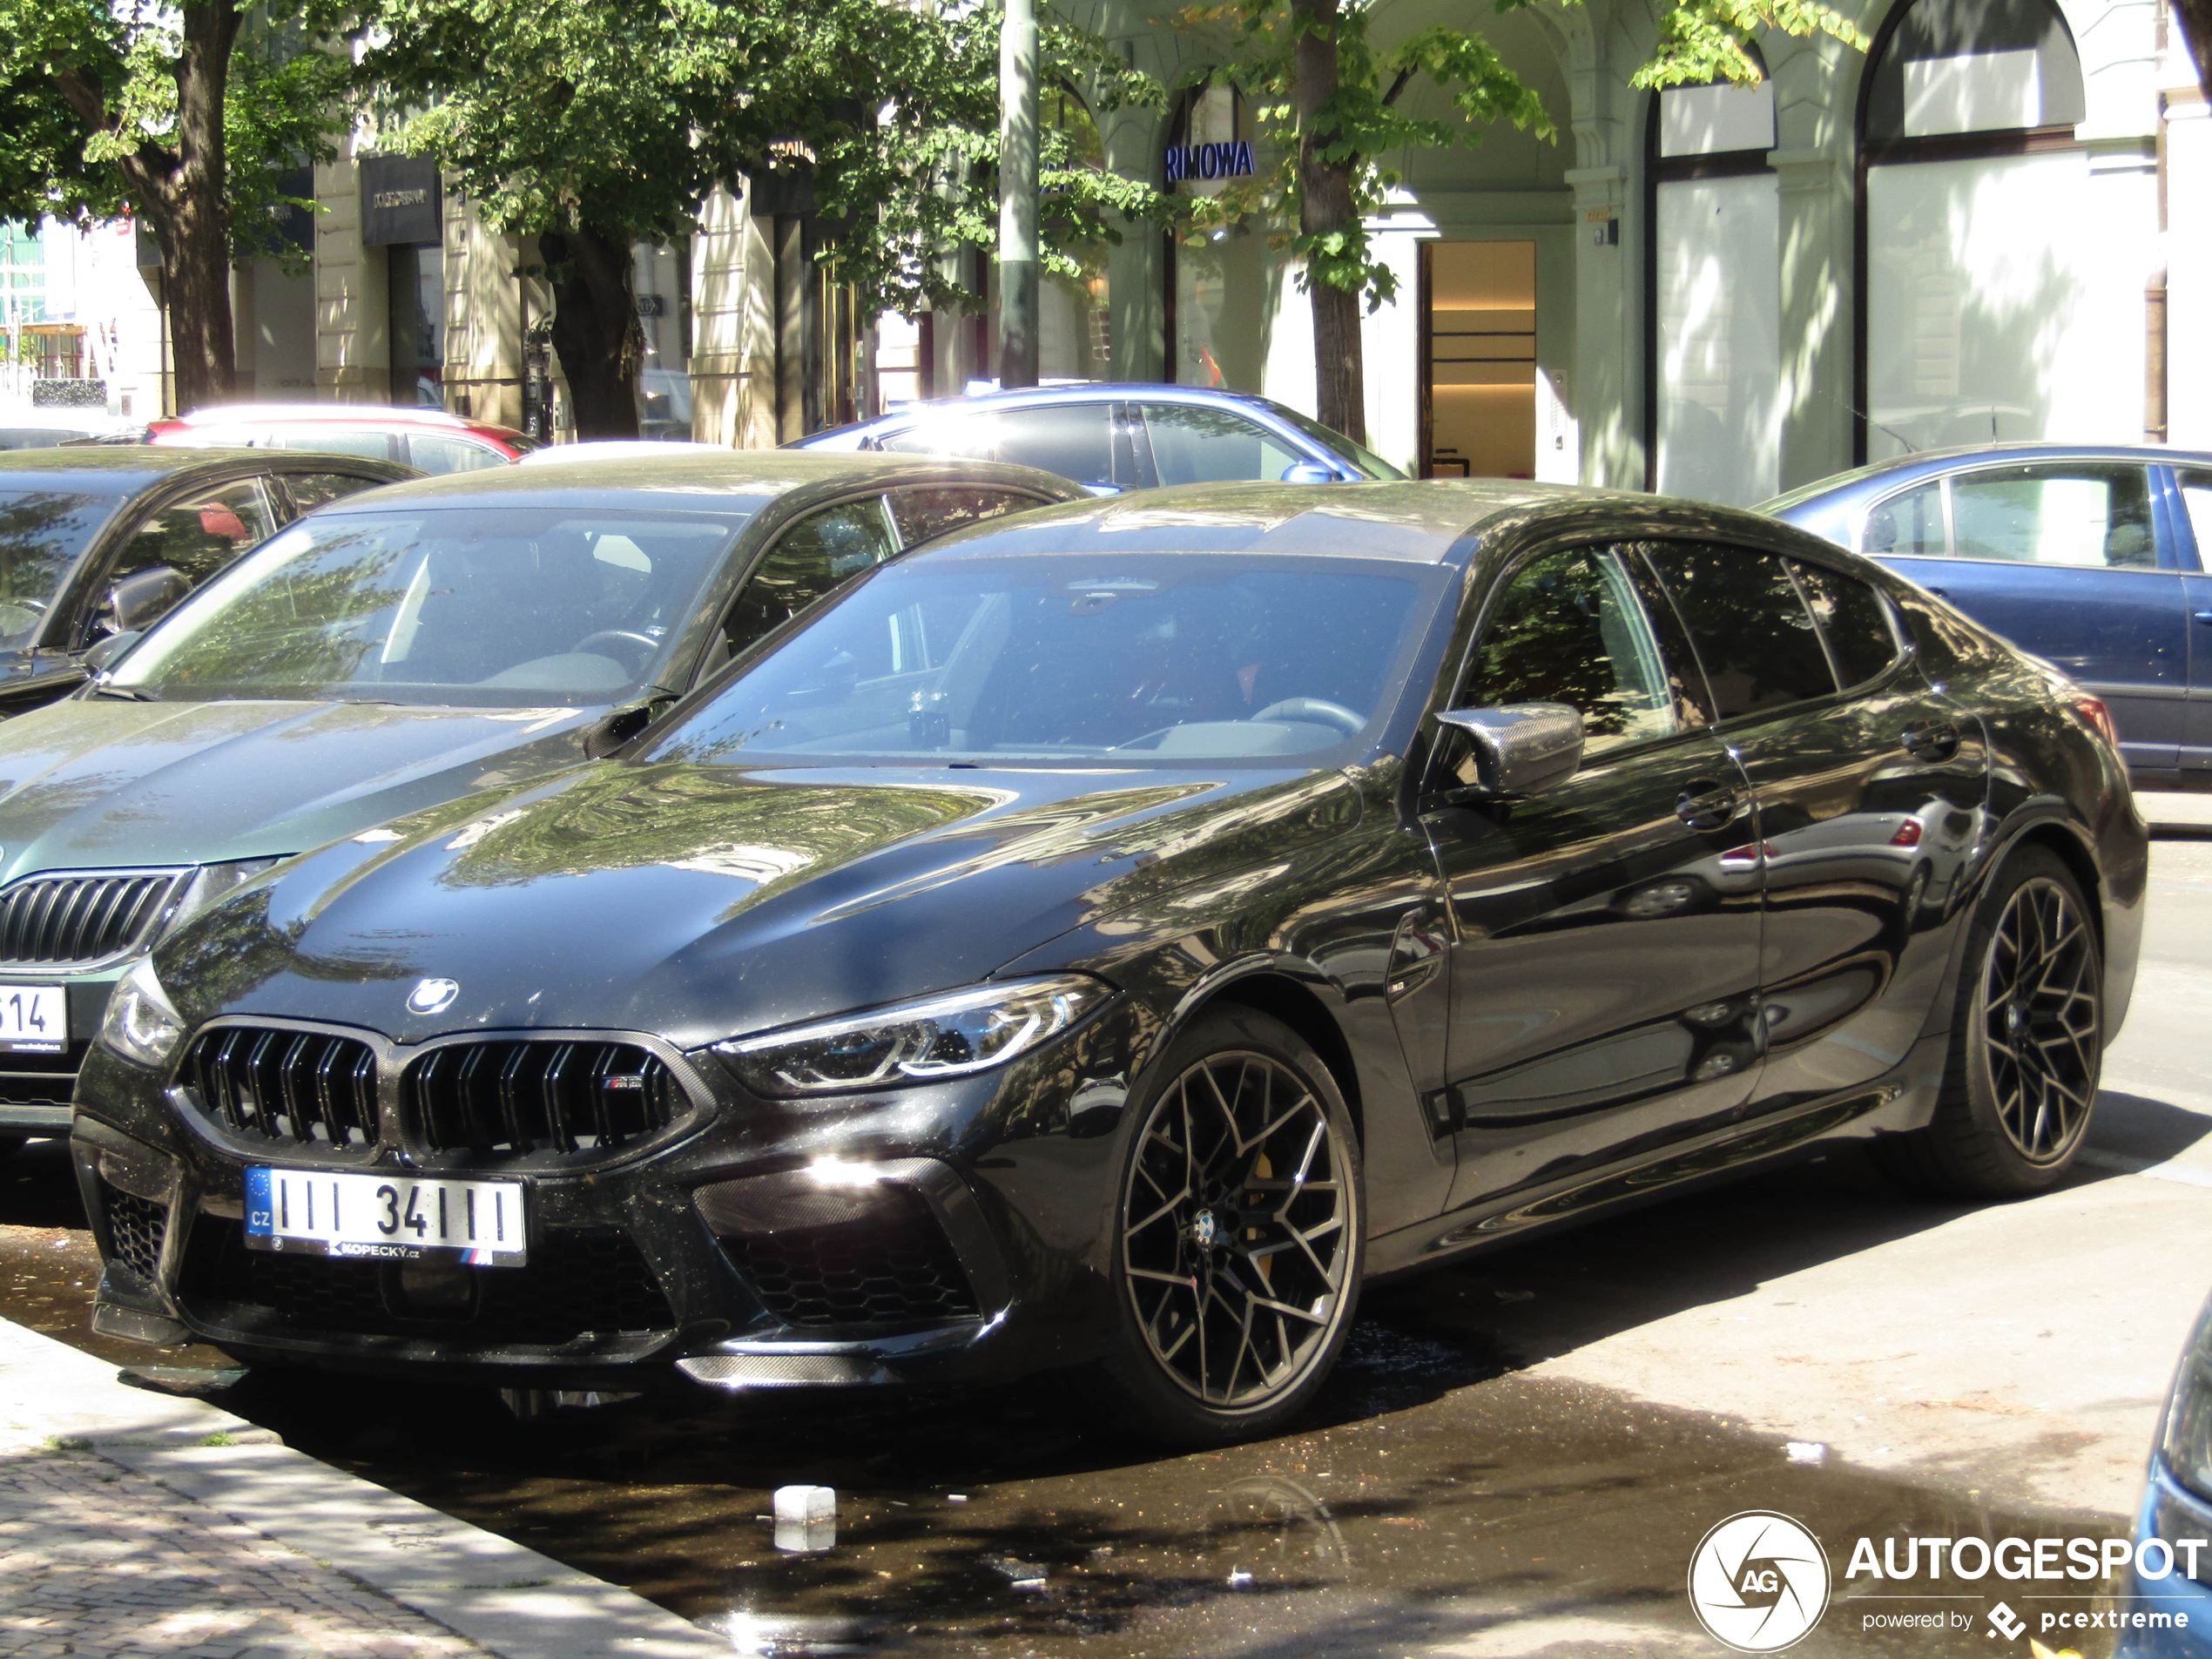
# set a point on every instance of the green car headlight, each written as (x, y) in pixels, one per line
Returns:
(141, 1024)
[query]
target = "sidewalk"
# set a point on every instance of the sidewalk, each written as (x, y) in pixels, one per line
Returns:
(133, 1523)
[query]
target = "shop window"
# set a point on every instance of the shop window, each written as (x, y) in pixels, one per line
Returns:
(1217, 285)
(2003, 283)
(418, 301)
(1075, 326)
(663, 279)
(1715, 265)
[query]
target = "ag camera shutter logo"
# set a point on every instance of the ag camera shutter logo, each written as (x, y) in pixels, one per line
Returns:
(1758, 1582)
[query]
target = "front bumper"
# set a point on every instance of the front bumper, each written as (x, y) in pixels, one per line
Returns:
(36, 1088)
(976, 1243)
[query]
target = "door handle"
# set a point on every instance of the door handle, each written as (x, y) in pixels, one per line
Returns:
(2205, 616)
(1932, 743)
(1707, 807)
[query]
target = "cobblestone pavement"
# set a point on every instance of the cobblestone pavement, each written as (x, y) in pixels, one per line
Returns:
(97, 1559)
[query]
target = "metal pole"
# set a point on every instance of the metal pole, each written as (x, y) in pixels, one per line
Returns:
(1018, 195)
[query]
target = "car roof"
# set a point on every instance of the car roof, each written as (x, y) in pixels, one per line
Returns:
(120, 469)
(1417, 521)
(1064, 392)
(719, 479)
(1925, 461)
(346, 414)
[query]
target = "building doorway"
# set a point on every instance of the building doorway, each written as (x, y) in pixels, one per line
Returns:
(1477, 360)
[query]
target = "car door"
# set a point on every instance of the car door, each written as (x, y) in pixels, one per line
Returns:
(2192, 521)
(1192, 443)
(2063, 558)
(1869, 787)
(1605, 957)
(809, 557)
(193, 535)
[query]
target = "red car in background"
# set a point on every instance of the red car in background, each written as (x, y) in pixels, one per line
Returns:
(428, 440)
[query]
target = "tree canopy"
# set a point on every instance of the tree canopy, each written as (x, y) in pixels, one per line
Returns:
(603, 123)
(193, 117)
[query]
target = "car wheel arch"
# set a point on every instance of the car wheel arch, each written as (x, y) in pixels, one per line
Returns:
(2042, 822)
(1295, 993)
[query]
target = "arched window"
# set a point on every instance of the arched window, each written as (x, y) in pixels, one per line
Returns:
(1216, 313)
(1713, 334)
(2001, 275)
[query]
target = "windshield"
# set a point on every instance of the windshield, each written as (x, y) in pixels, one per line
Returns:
(513, 606)
(42, 531)
(1366, 459)
(1134, 660)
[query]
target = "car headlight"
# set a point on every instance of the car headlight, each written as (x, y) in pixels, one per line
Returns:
(938, 1036)
(215, 881)
(141, 1024)
(2187, 1446)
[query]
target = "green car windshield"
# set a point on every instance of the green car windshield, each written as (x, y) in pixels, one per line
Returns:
(42, 532)
(512, 607)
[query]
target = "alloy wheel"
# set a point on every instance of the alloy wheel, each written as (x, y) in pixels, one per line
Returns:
(2039, 1019)
(1238, 1226)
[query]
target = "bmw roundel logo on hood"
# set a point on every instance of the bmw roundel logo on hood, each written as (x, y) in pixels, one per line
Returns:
(432, 996)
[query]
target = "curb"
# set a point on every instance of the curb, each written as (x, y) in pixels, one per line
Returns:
(509, 1600)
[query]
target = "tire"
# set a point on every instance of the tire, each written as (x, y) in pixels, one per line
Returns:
(2021, 1078)
(1239, 1235)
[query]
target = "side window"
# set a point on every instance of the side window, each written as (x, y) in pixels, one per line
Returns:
(1911, 524)
(1854, 619)
(1570, 628)
(309, 490)
(2075, 516)
(931, 510)
(1753, 633)
(1074, 440)
(201, 534)
(809, 559)
(2197, 496)
(434, 454)
(1205, 445)
(337, 441)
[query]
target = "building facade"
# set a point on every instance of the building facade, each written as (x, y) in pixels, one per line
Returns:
(1958, 235)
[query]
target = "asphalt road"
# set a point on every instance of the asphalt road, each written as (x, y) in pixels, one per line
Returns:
(1518, 1457)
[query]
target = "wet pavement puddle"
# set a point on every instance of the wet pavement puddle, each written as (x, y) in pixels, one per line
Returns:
(1440, 1500)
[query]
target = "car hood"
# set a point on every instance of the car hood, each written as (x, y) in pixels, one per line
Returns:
(96, 782)
(702, 902)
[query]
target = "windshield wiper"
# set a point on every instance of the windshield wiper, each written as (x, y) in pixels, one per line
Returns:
(129, 693)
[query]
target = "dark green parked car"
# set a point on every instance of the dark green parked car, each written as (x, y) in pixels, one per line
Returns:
(101, 540)
(455, 635)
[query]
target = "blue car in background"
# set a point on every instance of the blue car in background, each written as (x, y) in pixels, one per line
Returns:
(2168, 1615)
(2094, 558)
(1110, 437)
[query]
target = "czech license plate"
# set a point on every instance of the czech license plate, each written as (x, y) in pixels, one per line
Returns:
(385, 1217)
(34, 1019)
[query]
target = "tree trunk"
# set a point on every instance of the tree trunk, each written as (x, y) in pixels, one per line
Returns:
(1325, 205)
(183, 192)
(2197, 27)
(595, 328)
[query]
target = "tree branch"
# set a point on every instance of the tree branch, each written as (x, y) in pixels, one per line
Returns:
(1398, 86)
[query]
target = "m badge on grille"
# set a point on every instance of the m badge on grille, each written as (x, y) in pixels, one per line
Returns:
(432, 996)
